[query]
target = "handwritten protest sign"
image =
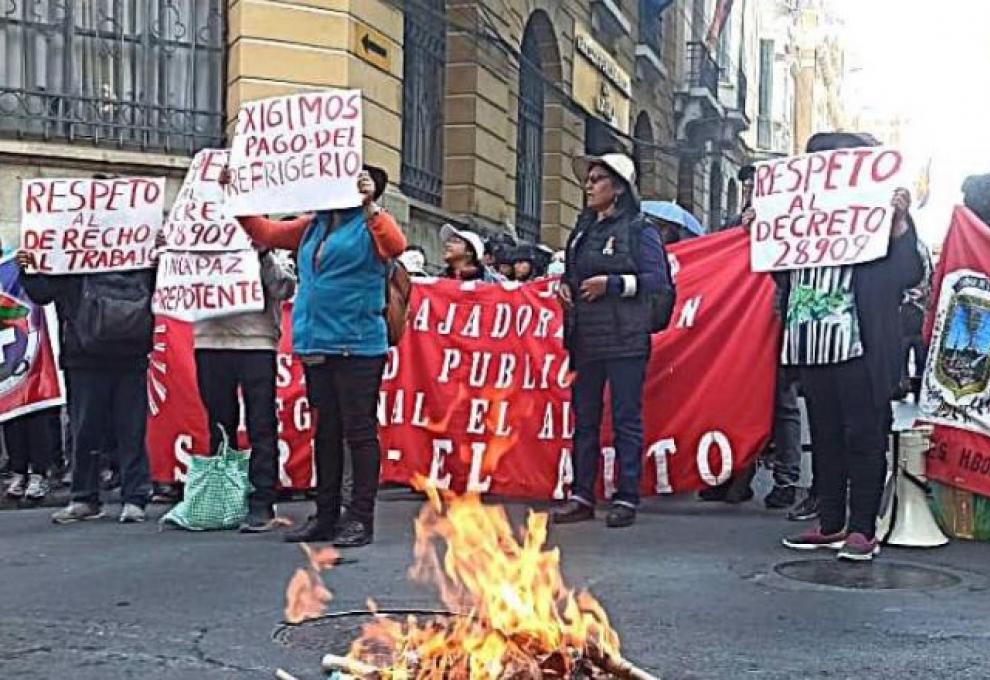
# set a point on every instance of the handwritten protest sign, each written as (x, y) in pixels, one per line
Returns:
(80, 226)
(194, 286)
(200, 219)
(296, 153)
(823, 209)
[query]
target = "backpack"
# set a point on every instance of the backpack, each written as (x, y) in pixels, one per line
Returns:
(114, 313)
(662, 305)
(398, 288)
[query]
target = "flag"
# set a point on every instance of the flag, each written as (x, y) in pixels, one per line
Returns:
(922, 185)
(722, 11)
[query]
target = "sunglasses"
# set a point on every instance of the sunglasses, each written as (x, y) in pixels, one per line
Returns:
(595, 179)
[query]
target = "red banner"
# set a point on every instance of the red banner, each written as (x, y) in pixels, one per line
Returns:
(956, 389)
(29, 377)
(477, 395)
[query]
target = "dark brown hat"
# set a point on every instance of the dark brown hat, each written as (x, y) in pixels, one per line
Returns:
(379, 177)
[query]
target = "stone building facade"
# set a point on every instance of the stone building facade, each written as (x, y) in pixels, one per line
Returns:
(476, 108)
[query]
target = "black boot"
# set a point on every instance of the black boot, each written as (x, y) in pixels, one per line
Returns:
(620, 516)
(354, 534)
(317, 529)
(572, 512)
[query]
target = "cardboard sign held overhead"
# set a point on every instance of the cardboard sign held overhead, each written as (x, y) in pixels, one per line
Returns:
(200, 219)
(297, 153)
(824, 209)
(87, 226)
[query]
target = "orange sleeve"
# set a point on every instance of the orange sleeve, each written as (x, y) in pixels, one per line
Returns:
(284, 234)
(388, 237)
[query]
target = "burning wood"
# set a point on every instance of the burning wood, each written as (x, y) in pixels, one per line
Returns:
(517, 620)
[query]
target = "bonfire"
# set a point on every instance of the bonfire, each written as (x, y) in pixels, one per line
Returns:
(512, 616)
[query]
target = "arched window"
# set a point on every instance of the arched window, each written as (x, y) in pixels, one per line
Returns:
(424, 57)
(529, 136)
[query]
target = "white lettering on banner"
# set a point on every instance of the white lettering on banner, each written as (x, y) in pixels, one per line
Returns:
(284, 453)
(8, 336)
(824, 209)
(279, 408)
(506, 369)
(182, 449)
(296, 153)
(391, 364)
(195, 286)
(480, 361)
(421, 322)
(85, 226)
(689, 311)
(441, 449)
(472, 329)
(608, 470)
(200, 219)
(475, 484)
(451, 360)
(660, 451)
(725, 450)
(302, 416)
(476, 416)
(397, 407)
(283, 365)
(444, 327)
(393, 455)
(565, 474)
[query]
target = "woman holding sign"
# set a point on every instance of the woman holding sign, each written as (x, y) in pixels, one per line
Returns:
(339, 332)
(842, 333)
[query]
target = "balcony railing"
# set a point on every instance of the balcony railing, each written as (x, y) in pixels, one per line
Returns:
(703, 71)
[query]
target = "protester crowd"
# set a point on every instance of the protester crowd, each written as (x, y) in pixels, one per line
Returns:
(616, 289)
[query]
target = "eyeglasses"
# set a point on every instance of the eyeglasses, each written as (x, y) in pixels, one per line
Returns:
(595, 179)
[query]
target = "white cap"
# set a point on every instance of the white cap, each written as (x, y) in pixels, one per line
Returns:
(413, 261)
(448, 231)
(619, 163)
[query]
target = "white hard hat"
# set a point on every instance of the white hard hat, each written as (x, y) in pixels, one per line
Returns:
(448, 230)
(414, 261)
(619, 163)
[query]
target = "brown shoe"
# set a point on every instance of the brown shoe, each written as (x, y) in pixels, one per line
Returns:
(573, 512)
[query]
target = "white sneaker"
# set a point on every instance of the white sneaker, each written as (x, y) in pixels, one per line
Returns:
(76, 511)
(16, 487)
(131, 514)
(37, 488)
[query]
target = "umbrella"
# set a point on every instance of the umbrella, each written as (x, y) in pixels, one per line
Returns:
(670, 211)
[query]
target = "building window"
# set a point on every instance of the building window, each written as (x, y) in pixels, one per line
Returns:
(651, 25)
(144, 74)
(425, 51)
(529, 139)
(764, 131)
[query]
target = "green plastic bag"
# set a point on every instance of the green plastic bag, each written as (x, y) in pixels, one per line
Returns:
(216, 491)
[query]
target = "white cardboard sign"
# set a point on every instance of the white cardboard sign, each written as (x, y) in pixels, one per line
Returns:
(87, 226)
(297, 153)
(195, 286)
(824, 209)
(200, 218)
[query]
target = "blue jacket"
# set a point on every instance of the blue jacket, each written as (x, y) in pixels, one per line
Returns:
(341, 296)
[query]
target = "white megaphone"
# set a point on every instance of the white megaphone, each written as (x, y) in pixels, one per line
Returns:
(913, 523)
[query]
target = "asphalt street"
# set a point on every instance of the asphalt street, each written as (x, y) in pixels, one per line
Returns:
(692, 590)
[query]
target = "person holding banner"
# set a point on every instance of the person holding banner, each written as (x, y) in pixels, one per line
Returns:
(339, 332)
(614, 269)
(849, 362)
(463, 253)
(238, 353)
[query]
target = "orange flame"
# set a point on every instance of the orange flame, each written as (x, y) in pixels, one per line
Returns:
(306, 597)
(514, 608)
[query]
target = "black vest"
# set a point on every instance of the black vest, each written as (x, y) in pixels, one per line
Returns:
(611, 327)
